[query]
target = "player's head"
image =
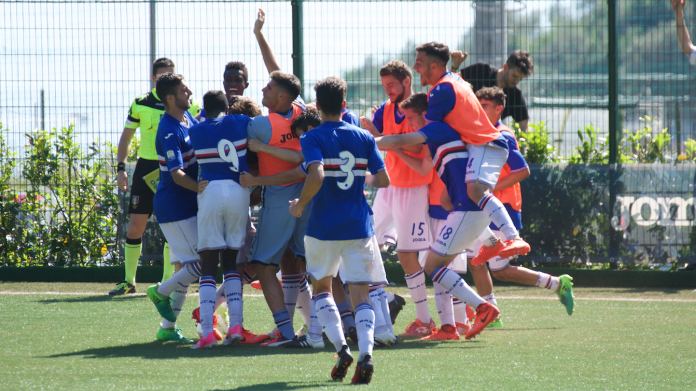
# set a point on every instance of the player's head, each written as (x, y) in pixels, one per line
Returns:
(396, 80)
(160, 66)
(492, 100)
(331, 95)
(415, 107)
(431, 62)
(281, 90)
(308, 120)
(518, 66)
(244, 105)
(215, 103)
(173, 91)
(235, 79)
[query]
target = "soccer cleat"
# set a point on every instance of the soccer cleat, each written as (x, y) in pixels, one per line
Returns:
(485, 314)
(395, 306)
(250, 338)
(352, 334)
(209, 341)
(164, 307)
(513, 247)
(123, 288)
(196, 316)
(363, 371)
(419, 329)
(565, 293)
(385, 339)
(446, 333)
(302, 331)
(234, 336)
(171, 334)
(462, 328)
(305, 342)
(496, 323)
(486, 253)
(256, 285)
(345, 359)
(277, 341)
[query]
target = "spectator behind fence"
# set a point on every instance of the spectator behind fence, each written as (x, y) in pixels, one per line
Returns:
(682, 32)
(517, 67)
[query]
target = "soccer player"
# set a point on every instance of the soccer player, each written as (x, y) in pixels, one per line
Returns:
(277, 228)
(174, 202)
(235, 79)
(451, 100)
(220, 145)
(507, 190)
(340, 236)
(682, 32)
(517, 67)
(447, 154)
(144, 113)
(403, 206)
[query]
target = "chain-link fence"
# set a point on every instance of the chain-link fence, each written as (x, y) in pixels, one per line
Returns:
(601, 63)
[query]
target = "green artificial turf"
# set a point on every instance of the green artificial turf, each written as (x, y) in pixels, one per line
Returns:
(645, 340)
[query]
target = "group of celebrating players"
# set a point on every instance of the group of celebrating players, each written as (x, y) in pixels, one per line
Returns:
(448, 198)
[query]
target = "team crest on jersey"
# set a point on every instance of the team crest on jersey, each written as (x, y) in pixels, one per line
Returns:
(134, 201)
(170, 155)
(227, 149)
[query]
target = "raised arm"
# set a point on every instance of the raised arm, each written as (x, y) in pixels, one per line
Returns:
(268, 57)
(282, 178)
(400, 140)
(288, 155)
(682, 32)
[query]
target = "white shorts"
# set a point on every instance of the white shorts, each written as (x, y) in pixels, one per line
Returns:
(223, 212)
(459, 232)
(458, 264)
(485, 163)
(402, 212)
(243, 253)
(358, 261)
(182, 237)
(495, 264)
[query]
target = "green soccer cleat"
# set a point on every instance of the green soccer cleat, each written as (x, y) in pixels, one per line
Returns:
(171, 334)
(565, 292)
(162, 303)
(123, 288)
(496, 323)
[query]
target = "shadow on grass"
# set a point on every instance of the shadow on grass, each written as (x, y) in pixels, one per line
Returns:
(289, 385)
(90, 299)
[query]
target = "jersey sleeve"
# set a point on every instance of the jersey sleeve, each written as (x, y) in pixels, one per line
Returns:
(515, 159)
(300, 102)
(171, 143)
(311, 150)
(378, 118)
(432, 133)
(303, 168)
(440, 102)
(260, 127)
(351, 118)
(133, 117)
(375, 163)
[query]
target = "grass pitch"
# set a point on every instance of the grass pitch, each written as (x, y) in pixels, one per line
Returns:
(73, 336)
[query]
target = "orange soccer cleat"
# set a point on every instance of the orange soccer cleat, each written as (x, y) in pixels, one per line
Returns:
(513, 247)
(419, 329)
(196, 316)
(485, 314)
(486, 253)
(463, 328)
(250, 338)
(446, 333)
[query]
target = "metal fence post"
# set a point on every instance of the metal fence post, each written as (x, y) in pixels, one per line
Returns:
(613, 47)
(298, 43)
(153, 36)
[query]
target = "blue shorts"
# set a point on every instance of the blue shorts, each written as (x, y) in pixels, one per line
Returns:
(277, 228)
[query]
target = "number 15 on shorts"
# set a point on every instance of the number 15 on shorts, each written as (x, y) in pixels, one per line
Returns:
(418, 228)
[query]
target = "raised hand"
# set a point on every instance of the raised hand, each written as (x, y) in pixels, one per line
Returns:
(260, 19)
(458, 58)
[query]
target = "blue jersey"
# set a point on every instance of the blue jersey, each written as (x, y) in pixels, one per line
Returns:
(340, 210)
(221, 147)
(174, 151)
(350, 117)
(450, 159)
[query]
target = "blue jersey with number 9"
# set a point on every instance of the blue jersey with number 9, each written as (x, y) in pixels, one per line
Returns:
(340, 210)
(221, 147)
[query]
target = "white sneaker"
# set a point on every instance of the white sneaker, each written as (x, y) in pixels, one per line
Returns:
(385, 339)
(305, 342)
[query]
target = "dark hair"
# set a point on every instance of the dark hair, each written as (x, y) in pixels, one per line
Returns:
(519, 59)
(398, 69)
(163, 62)
(289, 82)
(166, 84)
(416, 102)
(214, 103)
(310, 117)
(244, 105)
(331, 93)
(493, 94)
(237, 65)
(439, 51)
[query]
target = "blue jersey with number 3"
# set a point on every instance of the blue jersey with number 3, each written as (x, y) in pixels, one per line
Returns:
(340, 210)
(221, 147)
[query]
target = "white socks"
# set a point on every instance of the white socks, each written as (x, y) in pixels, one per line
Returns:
(379, 323)
(328, 316)
(499, 216)
(233, 295)
(177, 300)
(490, 299)
(291, 289)
(206, 300)
(459, 311)
(548, 281)
(443, 303)
(181, 279)
(304, 301)
(416, 287)
(365, 323)
(457, 287)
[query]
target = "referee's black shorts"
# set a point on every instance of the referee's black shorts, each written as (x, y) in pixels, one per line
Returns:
(141, 194)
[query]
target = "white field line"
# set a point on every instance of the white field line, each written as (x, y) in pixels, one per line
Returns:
(553, 297)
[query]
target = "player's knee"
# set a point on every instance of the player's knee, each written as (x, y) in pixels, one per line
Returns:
(476, 191)
(502, 275)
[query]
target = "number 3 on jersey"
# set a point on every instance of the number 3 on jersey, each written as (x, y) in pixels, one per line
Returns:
(228, 153)
(347, 168)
